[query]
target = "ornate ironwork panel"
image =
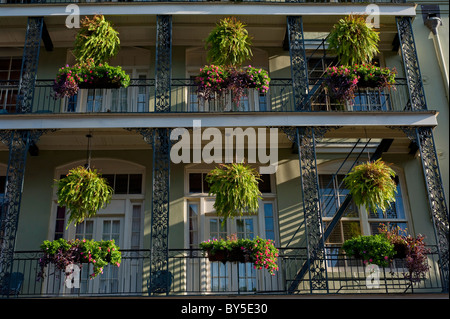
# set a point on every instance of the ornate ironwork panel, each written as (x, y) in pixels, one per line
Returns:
(436, 197)
(18, 142)
(411, 64)
(299, 72)
(163, 63)
(159, 138)
(30, 62)
(305, 138)
(423, 137)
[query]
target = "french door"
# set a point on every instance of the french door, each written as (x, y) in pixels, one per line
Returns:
(100, 228)
(134, 98)
(229, 277)
(232, 276)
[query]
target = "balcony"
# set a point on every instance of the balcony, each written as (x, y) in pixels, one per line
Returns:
(258, 1)
(190, 273)
(139, 98)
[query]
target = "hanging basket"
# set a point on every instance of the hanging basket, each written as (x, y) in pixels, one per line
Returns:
(83, 192)
(372, 185)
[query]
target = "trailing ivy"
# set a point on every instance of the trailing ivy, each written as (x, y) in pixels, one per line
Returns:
(83, 192)
(96, 40)
(353, 40)
(372, 184)
(229, 43)
(236, 188)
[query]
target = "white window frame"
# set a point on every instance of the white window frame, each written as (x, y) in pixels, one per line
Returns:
(206, 212)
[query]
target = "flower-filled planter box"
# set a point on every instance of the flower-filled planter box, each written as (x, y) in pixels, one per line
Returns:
(88, 76)
(260, 252)
(63, 253)
(342, 81)
(214, 80)
(371, 76)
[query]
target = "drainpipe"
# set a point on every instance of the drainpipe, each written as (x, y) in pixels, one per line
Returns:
(433, 22)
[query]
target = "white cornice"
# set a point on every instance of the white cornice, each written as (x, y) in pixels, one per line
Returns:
(214, 8)
(260, 119)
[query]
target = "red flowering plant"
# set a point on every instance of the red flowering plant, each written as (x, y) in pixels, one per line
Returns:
(341, 83)
(371, 75)
(63, 253)
(259, 79)
(211, 81)
(264, 254)
(66, 82)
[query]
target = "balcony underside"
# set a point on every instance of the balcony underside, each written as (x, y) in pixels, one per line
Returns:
(209, 8)
(339, 139)
(229, 119)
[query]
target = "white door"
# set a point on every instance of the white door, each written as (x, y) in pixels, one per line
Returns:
(100, 228)
(134, 98)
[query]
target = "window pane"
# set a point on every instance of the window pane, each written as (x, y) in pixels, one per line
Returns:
(195, 183)
(205, 184)
(135, 184)
(193, 225)
(335, 236)
(351, 229)
(264, 184)
(269, 221)
(121, 186)
(110, 179)
(136, 227)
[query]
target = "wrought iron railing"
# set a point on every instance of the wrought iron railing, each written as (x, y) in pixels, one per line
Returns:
(190, 273)
(258, 1)
(139, 97)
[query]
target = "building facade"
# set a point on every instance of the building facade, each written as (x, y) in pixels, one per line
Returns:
(161, 208)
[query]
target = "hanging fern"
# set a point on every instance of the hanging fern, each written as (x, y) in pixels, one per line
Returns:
(353, 40)
(372, 184)
(229, 43)
(236, 189)
(96, 40)
(83, 192)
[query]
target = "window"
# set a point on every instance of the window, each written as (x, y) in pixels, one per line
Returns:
(9, 82)
(197, 183)
(355, 220)
(125, 183)
(203, 224)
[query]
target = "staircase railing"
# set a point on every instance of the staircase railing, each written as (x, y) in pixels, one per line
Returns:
(382, 147)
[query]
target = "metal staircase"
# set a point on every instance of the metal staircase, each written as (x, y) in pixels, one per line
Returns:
(383, 146)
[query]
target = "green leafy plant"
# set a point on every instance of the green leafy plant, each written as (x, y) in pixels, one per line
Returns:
(96, 40)
(353, 40)
(372, 184)
(63, 253)
(375, 249)
(262, 253)
(236, 189)
(229, 43)
(83, 192)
